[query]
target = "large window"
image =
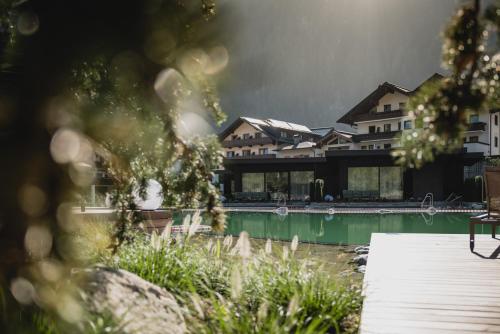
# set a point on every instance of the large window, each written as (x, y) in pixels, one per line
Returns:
(252, 182)
(386, 181)
(391, 182)
(407, 125)
(300, 185)
(277, 184)
(362, 178)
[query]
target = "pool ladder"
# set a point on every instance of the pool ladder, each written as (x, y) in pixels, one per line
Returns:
(431, 210)
(281, 210)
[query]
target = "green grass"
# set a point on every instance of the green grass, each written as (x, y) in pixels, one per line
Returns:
(230, 289)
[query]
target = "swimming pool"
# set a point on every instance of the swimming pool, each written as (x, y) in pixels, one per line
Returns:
(344, 228)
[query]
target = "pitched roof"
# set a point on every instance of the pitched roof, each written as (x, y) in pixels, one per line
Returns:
(372, 99)
(334, 132)
(304, 144)
(270, 127)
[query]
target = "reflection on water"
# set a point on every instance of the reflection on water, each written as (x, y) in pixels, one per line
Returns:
(343, 228)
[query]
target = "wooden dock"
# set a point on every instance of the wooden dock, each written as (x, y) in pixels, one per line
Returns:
(431, 283)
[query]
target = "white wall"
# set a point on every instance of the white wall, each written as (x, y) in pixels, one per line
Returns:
(393, 100)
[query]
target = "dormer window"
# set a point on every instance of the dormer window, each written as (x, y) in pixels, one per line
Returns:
(387, 107)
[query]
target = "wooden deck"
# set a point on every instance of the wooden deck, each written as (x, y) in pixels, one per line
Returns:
(431, 283)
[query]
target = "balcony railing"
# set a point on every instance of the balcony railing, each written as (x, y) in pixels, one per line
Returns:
(375, 136)
(247, 142)
(256, 156)
(378, 115)
(478, 126)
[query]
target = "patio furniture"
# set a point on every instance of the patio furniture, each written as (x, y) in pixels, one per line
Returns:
(492, 217)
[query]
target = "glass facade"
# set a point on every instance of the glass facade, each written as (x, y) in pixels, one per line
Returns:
(252, 182)
(362, 178)
(391, 182)
(277, 184)
(300, 185)
(387, 181)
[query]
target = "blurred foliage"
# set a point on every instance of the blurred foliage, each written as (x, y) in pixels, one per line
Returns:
(131, 83)
(443, 105)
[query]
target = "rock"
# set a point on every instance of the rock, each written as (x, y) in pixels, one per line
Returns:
(362, 250)
(361, 259)
(137, 305)
(361, 269)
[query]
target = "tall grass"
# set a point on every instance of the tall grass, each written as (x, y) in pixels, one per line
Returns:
(228, 288)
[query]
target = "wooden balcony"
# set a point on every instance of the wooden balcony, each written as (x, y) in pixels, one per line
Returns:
(375, 136)
(379, 115)
(478, 126)
(247, 142)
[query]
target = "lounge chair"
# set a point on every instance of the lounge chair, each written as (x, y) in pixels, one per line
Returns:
(492, 217)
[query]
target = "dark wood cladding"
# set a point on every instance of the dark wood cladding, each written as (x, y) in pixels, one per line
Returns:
(247, 142)
(377, 115)
(478, 126)
(375, 136)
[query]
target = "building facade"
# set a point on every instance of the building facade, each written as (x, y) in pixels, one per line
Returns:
(301, 164)
(257, 138)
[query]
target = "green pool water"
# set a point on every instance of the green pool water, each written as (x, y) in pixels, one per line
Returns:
(350, 229)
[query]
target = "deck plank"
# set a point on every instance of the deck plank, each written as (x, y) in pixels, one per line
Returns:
(431, 283)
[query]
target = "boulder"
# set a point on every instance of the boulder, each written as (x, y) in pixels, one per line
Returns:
(137, 305)
(360, 259)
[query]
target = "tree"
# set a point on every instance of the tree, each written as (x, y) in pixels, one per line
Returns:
(128, 81)
(442, 106)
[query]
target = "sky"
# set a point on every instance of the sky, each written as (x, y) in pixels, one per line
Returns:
(310, 61)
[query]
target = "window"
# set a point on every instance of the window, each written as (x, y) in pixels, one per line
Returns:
(387, 128)
(402, 105)
(283, 134)
(370, 147)
(234, 137)
(496, 119)
(386, 182)
(371, 129)
(246, 153)
(473, 119)
(407, 125)
(246, 136)
(496, 141)
(387, 107)
(473, 139)
(252, 182)
(258, 135)
(230, 154)
(263, 151)
(363, 147)
(399, 126)
(277, 184)
(378, 128)
(387, 146)
(301, 185)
